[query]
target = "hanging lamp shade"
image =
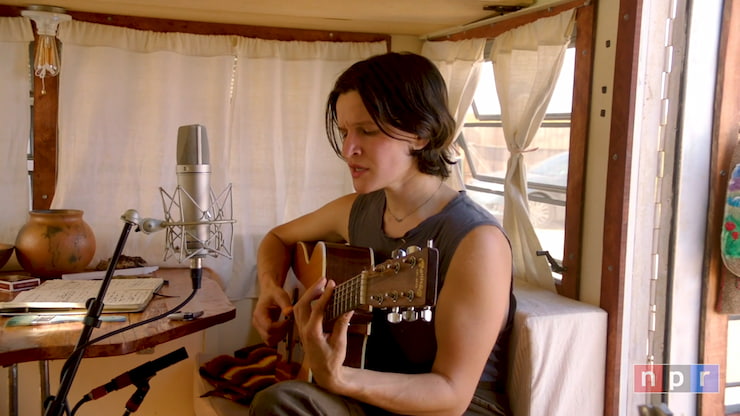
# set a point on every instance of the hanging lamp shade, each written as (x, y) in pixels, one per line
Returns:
(46, 62)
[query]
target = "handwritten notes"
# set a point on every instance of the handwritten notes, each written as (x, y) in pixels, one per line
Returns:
(122, 295)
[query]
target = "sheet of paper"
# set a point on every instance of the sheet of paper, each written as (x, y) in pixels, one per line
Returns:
(121, 293)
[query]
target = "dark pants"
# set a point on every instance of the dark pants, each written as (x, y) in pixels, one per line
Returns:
(297, 398)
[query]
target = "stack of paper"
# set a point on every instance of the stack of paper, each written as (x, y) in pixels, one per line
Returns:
(123, 295)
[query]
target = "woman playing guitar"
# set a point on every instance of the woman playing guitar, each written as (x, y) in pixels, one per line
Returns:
(387, 118)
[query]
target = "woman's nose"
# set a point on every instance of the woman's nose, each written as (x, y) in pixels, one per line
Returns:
(350, 146)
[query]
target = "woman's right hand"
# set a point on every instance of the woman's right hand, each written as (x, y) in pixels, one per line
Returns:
(271, 313)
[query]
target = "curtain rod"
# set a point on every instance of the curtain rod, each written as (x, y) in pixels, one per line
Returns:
(498, 18)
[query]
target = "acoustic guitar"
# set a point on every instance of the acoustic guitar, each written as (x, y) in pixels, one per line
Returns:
(405, 286)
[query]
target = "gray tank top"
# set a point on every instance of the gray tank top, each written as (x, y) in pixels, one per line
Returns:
(410, 347)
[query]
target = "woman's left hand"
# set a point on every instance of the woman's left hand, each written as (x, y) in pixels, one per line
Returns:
(324, 353)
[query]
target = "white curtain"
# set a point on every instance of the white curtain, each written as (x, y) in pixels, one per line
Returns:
(459, 62)
(279, 157)
(123, 95)
(526, 64)
(15, 115)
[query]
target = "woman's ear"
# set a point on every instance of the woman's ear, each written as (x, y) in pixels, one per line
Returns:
(419, 143)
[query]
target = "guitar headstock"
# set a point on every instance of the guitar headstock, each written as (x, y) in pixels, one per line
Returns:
(406, 284)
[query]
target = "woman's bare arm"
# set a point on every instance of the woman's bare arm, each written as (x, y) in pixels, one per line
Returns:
(471, 311)
(328, 223)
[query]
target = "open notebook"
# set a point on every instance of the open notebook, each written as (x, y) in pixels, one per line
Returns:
(123, 295)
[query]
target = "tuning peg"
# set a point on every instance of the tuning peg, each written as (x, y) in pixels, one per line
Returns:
(413, 249)
(426, 314)
(410, 260)
(410, 315)
(394, 316)
(398, 253)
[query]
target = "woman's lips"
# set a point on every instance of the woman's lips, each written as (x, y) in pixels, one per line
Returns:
(357, 171)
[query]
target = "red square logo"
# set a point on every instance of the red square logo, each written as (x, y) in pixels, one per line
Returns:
(648, 378)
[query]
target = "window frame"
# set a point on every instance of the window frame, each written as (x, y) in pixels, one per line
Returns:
(569, 285)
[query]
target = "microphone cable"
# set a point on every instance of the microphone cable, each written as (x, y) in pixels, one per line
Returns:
(79, 404)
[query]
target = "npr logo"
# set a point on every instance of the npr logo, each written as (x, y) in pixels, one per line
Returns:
(670, 378)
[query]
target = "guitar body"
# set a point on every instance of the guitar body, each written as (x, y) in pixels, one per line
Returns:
(407, 282)
(338, 262)
(335, 261)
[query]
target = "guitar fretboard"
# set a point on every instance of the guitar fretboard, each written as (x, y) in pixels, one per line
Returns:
(346, 297)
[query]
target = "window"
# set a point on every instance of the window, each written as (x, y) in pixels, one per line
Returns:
(485, 156)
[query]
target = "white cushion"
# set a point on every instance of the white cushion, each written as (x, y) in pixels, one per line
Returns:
(557, 355)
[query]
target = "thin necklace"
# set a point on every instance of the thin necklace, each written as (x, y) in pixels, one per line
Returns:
(417, 208)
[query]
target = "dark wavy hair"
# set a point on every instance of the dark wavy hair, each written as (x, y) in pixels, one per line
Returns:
(405, 91)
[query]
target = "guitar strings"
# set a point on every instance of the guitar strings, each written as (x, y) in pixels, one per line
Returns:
(346, 297)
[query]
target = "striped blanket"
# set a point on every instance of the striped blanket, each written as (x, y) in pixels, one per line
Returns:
(241, 376)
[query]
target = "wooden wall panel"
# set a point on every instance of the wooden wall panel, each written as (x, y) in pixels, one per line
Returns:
(616, 211)
(713, 348)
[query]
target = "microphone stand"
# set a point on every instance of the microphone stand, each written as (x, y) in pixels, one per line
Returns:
(56, 405)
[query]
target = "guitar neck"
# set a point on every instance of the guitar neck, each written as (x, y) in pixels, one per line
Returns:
(405, 282)
(347, 296)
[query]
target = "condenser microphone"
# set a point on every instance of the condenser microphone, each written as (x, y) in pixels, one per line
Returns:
(194, 180)
(198, 223)
(138, 375)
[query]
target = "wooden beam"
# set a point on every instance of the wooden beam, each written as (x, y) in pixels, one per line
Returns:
(45, 114)
(10, 11)
(494, 29)
(616, 211)
(206, 28)
(579, 125)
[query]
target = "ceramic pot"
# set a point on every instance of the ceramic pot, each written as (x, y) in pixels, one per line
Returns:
(54, 242)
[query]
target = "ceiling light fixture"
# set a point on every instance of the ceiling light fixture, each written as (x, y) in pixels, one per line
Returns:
(46, 57)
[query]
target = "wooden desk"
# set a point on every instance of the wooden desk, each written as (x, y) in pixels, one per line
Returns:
(57, 341)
